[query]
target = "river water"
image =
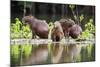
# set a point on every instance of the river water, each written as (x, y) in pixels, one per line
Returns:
(54, 53)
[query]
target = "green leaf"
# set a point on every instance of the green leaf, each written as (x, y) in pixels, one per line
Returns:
(81, 17)
(72, 6)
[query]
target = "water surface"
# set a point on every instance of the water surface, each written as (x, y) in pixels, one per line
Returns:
(55, 53)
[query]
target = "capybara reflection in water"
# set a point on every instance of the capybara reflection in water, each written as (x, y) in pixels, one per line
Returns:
(38, 27)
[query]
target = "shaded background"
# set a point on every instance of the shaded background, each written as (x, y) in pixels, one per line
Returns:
(50, 11)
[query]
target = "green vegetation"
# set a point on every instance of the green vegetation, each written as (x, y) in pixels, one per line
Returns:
(89, 32)
(51, 25)
(20, 51)
(27, 49)
(15, 54)
(20, 30)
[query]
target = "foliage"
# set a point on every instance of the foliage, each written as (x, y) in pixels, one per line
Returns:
(51, 25)
(89, 30)
(81, 17)
(90, 27)
(72, 6)
(20, 30)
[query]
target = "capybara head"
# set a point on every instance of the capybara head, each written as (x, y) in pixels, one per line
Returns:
(66, 22)
(75, 31)
(27, 19)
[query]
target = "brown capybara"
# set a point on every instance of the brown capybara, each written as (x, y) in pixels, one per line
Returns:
(38, 27)
(75, 31)
(66, 24)
(57, 32)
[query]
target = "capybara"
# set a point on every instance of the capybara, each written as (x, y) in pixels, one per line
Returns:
(66, 24)
(38, 27)
(75, 31)
(57, 32)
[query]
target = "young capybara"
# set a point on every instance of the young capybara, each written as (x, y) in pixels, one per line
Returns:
(75, 31)
(57, 32)
(38, 27)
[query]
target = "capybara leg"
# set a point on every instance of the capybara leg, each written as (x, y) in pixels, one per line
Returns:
(33, 35)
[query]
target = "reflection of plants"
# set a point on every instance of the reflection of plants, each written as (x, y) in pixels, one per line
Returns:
(26, 50)
(89, 50)
(87, 53)
(19, 30)
(16, 53)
